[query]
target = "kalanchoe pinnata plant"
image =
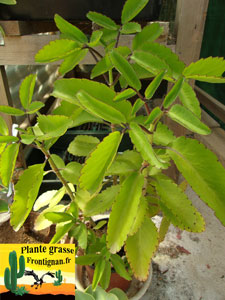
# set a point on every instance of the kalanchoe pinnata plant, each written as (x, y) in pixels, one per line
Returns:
(131, 185)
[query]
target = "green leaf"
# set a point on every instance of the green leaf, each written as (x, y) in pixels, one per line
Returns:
(175, 67)
(60, 232)
(56, 50)
(204, 173)
(72, 172)
(8, 2)
(72, 60)
(101, 67)
(140, 248)
(8, 139)
(58, 217)
(108, 38)
(73, 209)
(3, 206)
(41, 222)
(87, 260)
(35, 106)
(139, 219)
(80, 234)
(186, 118)
(26, 191)
(58, 161)
(99, 162)
(206, 78)
(163, 135)
(50, 198)
(124, 211)
(106, 275)
(119, 266)
(11, 110)
(2, 32)
(163, 229)
(100, 294)
(132, 8)
(173, 93)
(131, 27)
(100, 109)
(83, 296)
(99, 270)
(152, 87)
(126, 94)
(149, 61)
(52, 126)
(99, 204)
(177, 207)
(3, 127)
(76, 114)
(125, 69)
(67, 89)
(137, 105)
(140, 140)
(26, 90)
(2, 147)
(102, 20)
(119, 293)
(148, 34)
(82, 145)
(128, 161)
(189, 100)
(67, 28)
(8, 162)
(100, 225)
(211, 68)
(155, 114)
(141, 72)
(95, 38)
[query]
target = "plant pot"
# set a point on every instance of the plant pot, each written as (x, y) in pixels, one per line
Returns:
(116, 281)
(135, 291)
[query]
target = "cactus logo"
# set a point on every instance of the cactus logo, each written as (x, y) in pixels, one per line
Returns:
(31, 270)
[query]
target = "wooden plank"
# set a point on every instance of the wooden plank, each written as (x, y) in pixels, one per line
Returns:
(213, 105)
(14, 28)
(190, 21)
(5, 98)
(20, 50)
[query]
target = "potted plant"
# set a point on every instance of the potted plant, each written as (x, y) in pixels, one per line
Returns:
(131, 186)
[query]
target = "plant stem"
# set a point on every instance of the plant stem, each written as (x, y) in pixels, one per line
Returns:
(111, 79)
(143, 98)
(56, 170)
(117, 40)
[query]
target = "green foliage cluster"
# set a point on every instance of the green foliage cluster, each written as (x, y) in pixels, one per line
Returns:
(131, 185)
(100, 293)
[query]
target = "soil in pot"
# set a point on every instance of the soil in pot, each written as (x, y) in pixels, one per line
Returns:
(26, 234)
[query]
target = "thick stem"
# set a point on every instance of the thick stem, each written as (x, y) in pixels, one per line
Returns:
(56, 170)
